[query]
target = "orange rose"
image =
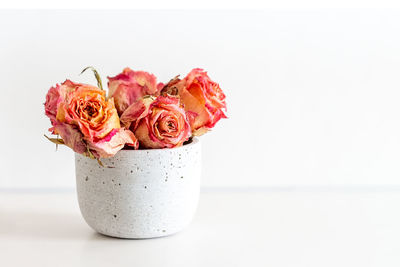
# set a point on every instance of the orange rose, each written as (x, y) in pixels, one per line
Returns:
(86, 121)
(87, 107)
(202, 98)
(157, 123)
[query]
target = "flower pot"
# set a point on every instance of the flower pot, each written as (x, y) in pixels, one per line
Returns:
(140, 193)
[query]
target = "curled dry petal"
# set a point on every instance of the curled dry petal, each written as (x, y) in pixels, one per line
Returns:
(136, 111)
(71, 136)
(52, 101)
(129, 86)
(112, 143)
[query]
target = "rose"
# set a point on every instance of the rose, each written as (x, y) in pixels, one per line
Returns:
(202, 98)
(157, 123)
(129, 86)
(85, 120)
(86, 106)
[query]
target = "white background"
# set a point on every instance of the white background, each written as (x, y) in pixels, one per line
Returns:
(313, 95)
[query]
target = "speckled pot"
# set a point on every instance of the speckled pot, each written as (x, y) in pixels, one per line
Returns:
(140, 193)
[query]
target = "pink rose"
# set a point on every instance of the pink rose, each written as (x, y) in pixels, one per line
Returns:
(157, 123)
(202, 98)
(129, 86)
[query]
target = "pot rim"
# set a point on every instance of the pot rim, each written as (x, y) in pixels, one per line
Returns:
(195, 141)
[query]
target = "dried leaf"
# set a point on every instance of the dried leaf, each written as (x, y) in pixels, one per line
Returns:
(96, 74)
(100, 163)
(57, 141)
(89, 153)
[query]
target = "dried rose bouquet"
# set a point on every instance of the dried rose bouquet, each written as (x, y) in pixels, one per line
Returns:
(138, 112)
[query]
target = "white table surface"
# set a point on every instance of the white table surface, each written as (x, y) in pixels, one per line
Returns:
(232, 228)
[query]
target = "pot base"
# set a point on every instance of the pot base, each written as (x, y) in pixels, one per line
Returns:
(139, 237)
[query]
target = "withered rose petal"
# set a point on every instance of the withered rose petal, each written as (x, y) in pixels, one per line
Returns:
(112, 143)
(52, 100)
(71, 136)
(129, 86)
(54, 97)
(135, 112)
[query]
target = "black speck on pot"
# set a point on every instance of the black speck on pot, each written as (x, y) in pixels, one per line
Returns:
(115, 216)
(145, 187)
(131, 171)
(119, 184)
(181, 177)
(87, 178)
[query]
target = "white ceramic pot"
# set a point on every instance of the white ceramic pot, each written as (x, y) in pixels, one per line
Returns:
(140, 193)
